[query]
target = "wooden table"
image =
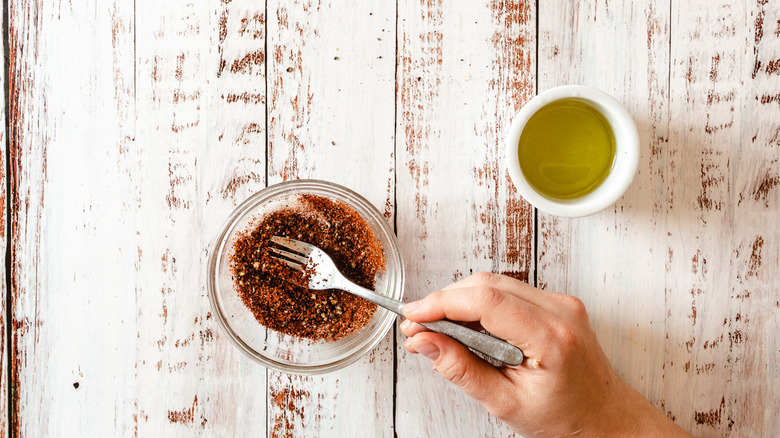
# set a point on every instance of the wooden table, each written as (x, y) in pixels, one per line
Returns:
(134, 127)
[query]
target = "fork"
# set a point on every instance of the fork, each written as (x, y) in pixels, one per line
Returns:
(320, 271)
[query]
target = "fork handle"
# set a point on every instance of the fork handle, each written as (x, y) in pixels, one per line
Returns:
(486, 344)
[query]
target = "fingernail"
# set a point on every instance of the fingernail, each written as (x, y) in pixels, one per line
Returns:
(406, 324)
(427, 349)
(411, 307)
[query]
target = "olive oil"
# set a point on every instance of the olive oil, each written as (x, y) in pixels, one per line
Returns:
(566, 149)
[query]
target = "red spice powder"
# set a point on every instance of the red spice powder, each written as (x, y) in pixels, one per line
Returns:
(278, 296)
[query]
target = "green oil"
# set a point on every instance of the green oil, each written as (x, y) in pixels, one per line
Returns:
(566, 149)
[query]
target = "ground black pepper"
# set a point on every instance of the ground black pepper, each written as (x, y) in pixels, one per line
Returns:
(277, 294)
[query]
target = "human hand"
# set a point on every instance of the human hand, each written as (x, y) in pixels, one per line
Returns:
(564, 386)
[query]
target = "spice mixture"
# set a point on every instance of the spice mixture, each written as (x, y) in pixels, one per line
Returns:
(278, 296)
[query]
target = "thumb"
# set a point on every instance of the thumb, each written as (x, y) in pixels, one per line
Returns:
(477, 378)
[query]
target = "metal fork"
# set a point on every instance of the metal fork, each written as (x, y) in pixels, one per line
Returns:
(322, 274)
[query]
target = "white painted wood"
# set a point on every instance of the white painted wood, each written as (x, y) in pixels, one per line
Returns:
(73, 301)
(121, 180)
(464, 69)
(200, 146)
(331, 86)
(723, 168)
(4, 322)
(615, 260)
(135, 128)
(677, 276)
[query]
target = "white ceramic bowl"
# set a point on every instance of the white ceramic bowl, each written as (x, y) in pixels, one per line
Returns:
(624, 165)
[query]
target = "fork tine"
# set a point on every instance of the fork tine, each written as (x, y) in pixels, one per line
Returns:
(293, 265)
(292, 256)
(293, 245)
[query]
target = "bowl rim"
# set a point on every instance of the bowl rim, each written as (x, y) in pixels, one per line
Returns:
(624, 166)
(363, 207)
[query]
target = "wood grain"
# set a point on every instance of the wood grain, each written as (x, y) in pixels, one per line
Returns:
(613, 260)
(135, 128)
(71, 105)
(201, 147)
(113, 332)
(675, 274)
(722, 167)
(4, 329)
(330, 116)
(464, 69)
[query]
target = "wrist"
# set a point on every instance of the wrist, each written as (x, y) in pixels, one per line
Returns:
(631, 415)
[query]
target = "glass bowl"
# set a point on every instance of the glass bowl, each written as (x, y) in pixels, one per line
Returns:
(277, 350)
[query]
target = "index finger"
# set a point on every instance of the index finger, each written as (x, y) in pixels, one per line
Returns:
(504, 283)
(502, 314)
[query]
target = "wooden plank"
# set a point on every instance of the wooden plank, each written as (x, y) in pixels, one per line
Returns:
(200, 147)
(4, 345)
(113, 331)
(614, 261)
(71, 106)
(464, 70)
(677, 276)
(331, 89)
(723, 173)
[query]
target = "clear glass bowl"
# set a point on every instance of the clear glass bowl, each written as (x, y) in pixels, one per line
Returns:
(277, 350)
